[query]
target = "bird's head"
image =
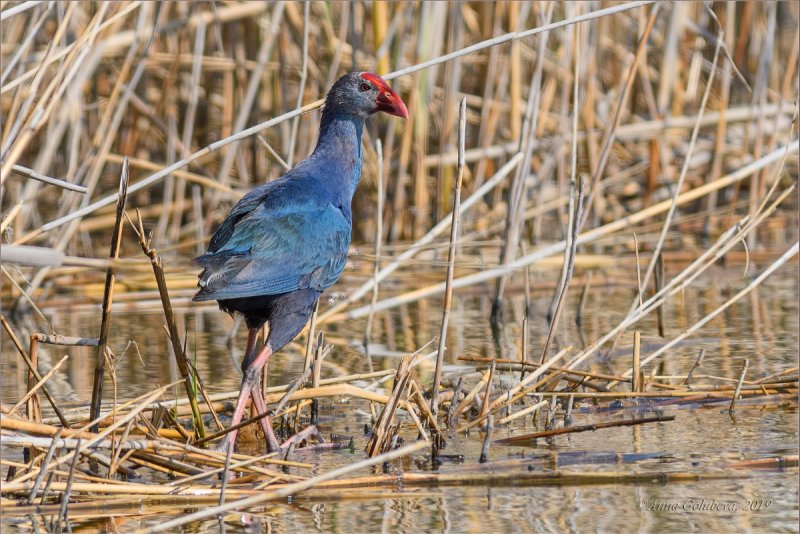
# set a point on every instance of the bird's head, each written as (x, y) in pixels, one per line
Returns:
(363, 93)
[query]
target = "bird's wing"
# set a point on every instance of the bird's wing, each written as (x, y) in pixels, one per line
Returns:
(268, 248)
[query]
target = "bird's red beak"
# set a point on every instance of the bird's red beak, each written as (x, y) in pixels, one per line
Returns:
(387, 101)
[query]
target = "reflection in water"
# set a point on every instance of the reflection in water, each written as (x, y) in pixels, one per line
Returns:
(763, 328)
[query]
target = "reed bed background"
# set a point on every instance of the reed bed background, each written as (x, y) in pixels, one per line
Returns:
(560, 134)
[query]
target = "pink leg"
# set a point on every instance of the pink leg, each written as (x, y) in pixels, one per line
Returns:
(266, 423)
(303, 434)
(258, 399)
(248, 382)
(252, 370)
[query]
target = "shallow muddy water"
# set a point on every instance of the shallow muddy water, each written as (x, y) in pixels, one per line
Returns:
(705, 440)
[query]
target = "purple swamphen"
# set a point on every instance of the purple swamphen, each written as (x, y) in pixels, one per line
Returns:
(286, 242)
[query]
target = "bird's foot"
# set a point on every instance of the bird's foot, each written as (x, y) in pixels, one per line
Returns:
(327, 446)
(222, 446)
(309, 431)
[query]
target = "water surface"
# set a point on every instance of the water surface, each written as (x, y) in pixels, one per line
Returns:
(762, 327)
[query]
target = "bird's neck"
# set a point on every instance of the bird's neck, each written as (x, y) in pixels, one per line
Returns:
(339, 148)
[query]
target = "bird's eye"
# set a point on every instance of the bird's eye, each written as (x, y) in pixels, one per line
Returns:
(364, 87)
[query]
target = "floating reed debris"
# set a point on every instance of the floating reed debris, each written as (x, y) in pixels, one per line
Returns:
(292, 488)
(530, 439)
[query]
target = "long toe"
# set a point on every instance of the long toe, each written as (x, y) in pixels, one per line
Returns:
(298, 438)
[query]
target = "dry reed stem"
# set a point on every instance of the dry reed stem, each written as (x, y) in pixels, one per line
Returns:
(489, 475)
(380, 439)
(636, 380)
(674, 204)
(739, 386)
(48, 180)
(108, 295)
(518, 188)
(378, 240)
(451, 258)
(172, 330)
(525, 411)
(557, 305)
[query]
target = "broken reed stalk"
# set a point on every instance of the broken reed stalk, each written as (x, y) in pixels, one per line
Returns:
(380, 440)
(582, 301)
(739, 385)
(638, 269)
(316, 369)
(172, 329)
(636, 376)
(47, 458)
(659, 283)
(454, 402)
(451, 257)
(576, 209)
(487, 441)
(488, 391)
(568, 413)
(525, 411)
(108, 295)
(519, 391)
(48, 180)
(62, 514)
(225, 471)
(523, 357)
(471, 394)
